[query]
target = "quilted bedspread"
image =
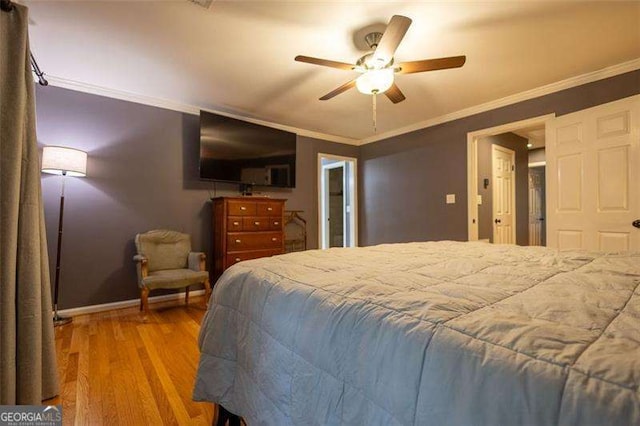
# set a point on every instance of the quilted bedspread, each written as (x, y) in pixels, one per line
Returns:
(435, 333)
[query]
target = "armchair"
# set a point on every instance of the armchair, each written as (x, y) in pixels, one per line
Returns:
(165, 260)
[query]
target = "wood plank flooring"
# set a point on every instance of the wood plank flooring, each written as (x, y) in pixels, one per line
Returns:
(117, 369)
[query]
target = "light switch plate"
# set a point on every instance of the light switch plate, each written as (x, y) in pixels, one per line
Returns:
(451, 198)
(479, 199)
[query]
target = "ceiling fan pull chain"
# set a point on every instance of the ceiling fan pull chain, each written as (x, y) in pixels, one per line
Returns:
(375, 129)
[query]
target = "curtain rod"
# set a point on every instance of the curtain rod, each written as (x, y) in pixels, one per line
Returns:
(7, 6)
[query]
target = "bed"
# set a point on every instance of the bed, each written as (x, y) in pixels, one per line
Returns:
(427, 333)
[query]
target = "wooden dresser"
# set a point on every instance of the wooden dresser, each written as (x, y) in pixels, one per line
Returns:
(245, 228)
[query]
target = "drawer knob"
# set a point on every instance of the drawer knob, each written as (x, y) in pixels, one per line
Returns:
(236, 223)
(276, 223)
(237, 259)
(269, 208)
(238, 241)
(256, 223)
(243, 208)
(274, 239)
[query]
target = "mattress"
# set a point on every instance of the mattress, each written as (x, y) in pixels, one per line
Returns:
(427, 333)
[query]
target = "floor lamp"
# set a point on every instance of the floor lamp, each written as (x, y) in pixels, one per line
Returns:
(64, 162)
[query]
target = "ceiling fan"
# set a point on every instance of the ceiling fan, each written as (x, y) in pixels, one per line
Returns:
(377, 67)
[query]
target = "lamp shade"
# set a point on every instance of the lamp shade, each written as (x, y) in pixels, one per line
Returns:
(375, 81)
(64, 161)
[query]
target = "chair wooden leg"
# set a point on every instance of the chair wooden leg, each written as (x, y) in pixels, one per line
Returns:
(144, 299)
(186, 295)
(207, 291)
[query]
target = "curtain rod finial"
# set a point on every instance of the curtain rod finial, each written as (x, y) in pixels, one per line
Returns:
(6, 5)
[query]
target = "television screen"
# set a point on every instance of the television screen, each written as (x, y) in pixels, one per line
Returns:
(237, 151)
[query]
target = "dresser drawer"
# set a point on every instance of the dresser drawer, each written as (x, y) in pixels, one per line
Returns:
(234, 224)
(241, 208)
(245, 228)
(256, 223)
(269, 209)
(275, 223)
(232, 259)
(239, 241)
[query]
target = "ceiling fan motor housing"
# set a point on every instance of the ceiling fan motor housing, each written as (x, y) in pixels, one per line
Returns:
(373, 39)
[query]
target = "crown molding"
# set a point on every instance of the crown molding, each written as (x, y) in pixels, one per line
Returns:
(568, 83)
(513, 99)
(185, 108)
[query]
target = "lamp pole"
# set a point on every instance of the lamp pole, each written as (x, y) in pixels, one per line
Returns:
(61, 161)
(57, 319)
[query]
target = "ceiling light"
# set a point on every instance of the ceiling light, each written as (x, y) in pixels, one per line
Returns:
(375, 81)
(529, 145)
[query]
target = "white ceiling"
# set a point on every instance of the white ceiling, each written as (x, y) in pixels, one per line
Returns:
(237, 57)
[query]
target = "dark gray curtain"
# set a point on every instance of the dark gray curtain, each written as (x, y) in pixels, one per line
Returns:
(28, 372)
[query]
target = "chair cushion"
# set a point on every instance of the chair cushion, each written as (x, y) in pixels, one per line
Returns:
(164, 249)
(174, 278)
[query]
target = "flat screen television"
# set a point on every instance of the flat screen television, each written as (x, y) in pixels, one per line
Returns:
(237, 151)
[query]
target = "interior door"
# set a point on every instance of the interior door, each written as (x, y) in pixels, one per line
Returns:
(536, 206)
(337, 211)
(593, 178)
(334, 204)
(503, 166)
(337, 201)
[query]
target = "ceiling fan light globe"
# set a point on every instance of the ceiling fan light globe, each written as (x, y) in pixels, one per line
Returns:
(375, 81)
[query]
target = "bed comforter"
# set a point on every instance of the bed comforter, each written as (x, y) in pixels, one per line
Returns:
(426, 334)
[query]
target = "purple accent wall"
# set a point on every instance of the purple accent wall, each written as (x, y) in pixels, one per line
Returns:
(404, 179)
(142, 173)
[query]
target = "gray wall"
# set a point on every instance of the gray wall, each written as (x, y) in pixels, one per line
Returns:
(142, 174)
(485, 211)
(404, 179)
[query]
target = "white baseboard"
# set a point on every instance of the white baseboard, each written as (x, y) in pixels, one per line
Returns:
(125, 304)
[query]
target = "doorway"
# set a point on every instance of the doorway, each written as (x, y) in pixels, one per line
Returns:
(337, 201)
(487, 191)
(537, 204)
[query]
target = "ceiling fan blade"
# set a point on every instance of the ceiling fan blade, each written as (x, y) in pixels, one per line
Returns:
(350, 85)
(394, 94)
(393, 35)
(325, 62)
(431, 64)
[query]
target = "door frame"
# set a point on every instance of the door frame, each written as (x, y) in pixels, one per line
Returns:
(326, 199)
(512, 204)
(472, 164)
(352, 186)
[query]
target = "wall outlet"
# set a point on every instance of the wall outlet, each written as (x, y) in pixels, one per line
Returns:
(451, 198)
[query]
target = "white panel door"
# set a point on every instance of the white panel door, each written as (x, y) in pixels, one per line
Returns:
(593, 178)
(504, 191)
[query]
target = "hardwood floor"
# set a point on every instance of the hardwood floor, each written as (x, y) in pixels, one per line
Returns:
(117, 369)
